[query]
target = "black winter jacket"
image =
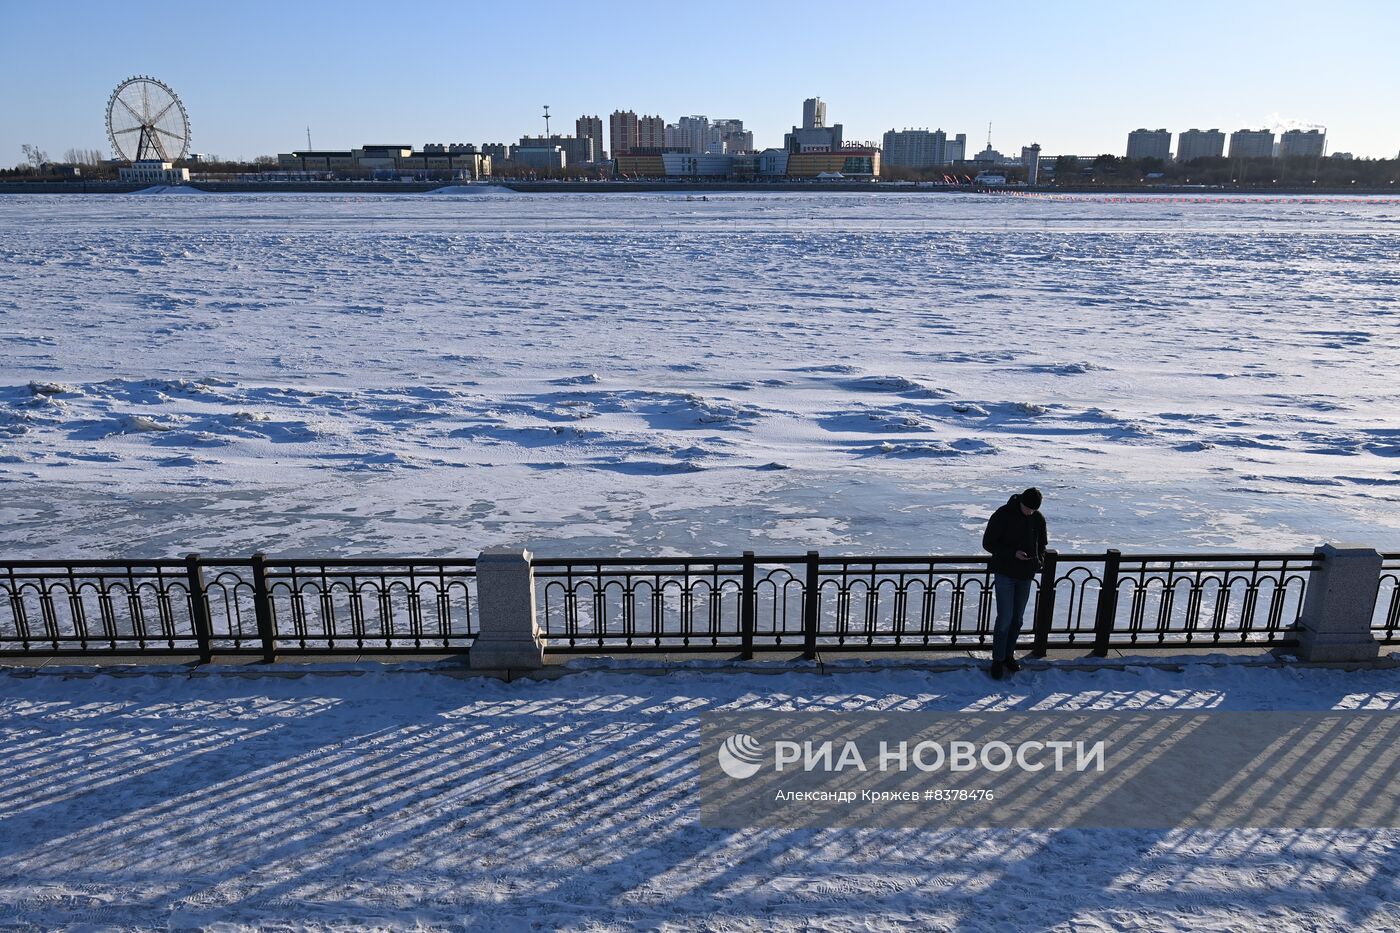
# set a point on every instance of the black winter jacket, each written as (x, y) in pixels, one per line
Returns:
(1010, 530)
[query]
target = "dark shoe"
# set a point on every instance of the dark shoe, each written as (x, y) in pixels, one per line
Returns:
(1011, 666)
(997, 670)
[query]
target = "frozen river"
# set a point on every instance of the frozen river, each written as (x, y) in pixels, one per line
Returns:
(646, 373)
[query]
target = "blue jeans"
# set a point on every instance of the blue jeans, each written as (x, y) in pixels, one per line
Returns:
(1012, 595)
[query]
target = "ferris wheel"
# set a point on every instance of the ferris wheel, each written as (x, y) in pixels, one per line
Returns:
(145, 120)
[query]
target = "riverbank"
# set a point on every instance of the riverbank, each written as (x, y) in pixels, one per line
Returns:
(683, 187)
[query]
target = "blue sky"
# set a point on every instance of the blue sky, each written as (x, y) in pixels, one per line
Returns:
(1075, 77)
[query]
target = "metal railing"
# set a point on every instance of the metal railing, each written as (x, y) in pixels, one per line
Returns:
(236, 606)
(793, 603)
(750, 602)
(1385, 624)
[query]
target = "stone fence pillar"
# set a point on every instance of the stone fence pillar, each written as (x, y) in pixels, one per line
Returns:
(1341, 598)
(508, 634)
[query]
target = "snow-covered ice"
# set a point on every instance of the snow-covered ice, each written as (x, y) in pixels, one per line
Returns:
(396, 798)
(644, 373)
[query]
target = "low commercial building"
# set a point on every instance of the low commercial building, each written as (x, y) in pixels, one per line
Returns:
(1051, 165)
(639, 164)
(317, 160)
(381, 158)
(848, 163)
(745, 166)
(697, 165)
(459, 160)
(543, 158)
(773, 163)
(578, 150)
(153, 172)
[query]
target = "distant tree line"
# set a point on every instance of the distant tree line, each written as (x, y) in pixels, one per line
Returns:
(504, 168)
(1110, 170)
(97, 165)
(960, 172)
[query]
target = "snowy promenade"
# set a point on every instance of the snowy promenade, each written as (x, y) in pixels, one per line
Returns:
(366, 796)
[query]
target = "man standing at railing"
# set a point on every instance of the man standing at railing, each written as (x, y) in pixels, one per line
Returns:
(1016, 539)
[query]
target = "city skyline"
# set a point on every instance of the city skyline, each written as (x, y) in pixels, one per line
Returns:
(356, 76)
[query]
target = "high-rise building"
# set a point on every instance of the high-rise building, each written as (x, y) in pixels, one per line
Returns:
(911, 148)
(955, 149)
(677, 137)
(732, 134)
(1150, 144)
(696, 132)
(1030, 158)
(922, 149)
(1199, 144)
(1252, 144)
(592, 128)
(651, 132)
(814, 135)
(623, 132)
(499, 152)
(1296, 144)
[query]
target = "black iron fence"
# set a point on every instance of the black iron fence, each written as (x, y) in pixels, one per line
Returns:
(804, 603)
(249, 606)
(1386, 623)
(755, 603)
